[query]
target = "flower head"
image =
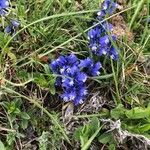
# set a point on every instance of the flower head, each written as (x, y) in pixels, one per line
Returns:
(108, 7)
(91, 68)
(72, 76)
(4, 4)
(12, 28)
(100, 37)
(15, 23)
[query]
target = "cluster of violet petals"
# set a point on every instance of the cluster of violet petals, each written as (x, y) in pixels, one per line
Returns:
(72, 74)
(12, 28)
(14, 24)
(100, 37)
(4, 5)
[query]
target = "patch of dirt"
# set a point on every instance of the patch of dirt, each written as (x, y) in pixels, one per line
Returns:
(121, 2)
(120, 28)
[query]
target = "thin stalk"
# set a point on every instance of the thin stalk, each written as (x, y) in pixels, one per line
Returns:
(18, 84)
(90, 116)
(116, 83)
(139, 6)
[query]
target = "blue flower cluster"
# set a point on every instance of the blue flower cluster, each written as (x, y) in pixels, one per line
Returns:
(13, 24)
(4, 5)
(108, 7)
(100, 38)
(12, 28)
(72, 73)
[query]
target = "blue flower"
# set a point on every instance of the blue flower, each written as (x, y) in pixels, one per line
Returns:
(8, 29)
(82, 91)
(113, 53)
(78, 100)
(54, 66)
(4, 4)
(106, 27)
(103, 50)
(94, 70)
(67, 82)
(104, 41)
(101, 14)
(85, 63)
(72, 74)
(104, 46)
(72, 70)
(81, 77)
(15, 23)
(68, 96)
(58, 81)
(12, 28)
(94, 33)
(100, 37)
(108, 7)
(89, 67)
(61, 61)
(72, 59)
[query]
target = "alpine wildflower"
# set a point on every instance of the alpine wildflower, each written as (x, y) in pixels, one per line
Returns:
(4, 5)
(12, 28)
(108, 7)
(100, 37)
(72, 74)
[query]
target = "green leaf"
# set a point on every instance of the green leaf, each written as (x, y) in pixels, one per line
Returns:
(11, 138)
(46, 68)
(77, 133)
(52, 87)
(84, 134)
(88, 143)
(3, 39)
(12, 56)
(112, 147)
(17, 111)
(51, 81)
(25, 116)
(24, 124)
(43, 141)
(138, 113)
(94, 125)
(144, 128)
(2, 147)
(41, 81)
(46, 82)
(88, 132)
(22, 74)
(118, 112)
(105, 138)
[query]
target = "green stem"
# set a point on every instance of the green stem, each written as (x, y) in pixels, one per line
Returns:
(17, 84)
(139, 6)
(116, 83)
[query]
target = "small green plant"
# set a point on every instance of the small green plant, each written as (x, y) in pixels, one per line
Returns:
(18, 120)
(135, 120)
(88, 133)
